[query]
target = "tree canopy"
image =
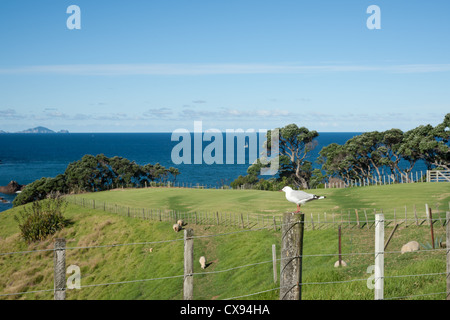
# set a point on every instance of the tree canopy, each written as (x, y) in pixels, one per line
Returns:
(295, 143)
(393, 151)
(370, 154)
(97, 173)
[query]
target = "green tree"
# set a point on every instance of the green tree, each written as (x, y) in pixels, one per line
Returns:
(391, 142)
(96, 173)
(415, 144)
(337, 161)
(295, 144)
(174, 172)
(437, 150)
(365, 153)
(40, 189)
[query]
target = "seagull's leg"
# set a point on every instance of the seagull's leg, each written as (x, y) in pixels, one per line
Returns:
(298, 208)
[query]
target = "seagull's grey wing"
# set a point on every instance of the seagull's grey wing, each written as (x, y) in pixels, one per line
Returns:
(301, 195)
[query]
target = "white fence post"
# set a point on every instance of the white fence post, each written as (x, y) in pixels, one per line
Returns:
(188, 287)
(379, 256)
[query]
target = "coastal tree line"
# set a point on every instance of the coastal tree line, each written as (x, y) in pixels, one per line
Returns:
(97, 173)
(392, 152)
(369, 154)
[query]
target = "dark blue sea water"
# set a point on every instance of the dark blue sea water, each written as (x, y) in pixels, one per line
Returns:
(28, 157)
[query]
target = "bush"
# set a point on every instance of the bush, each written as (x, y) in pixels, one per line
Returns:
(40, 189)
(42, 218)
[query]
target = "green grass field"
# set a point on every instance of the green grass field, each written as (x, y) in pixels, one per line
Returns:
(240, 260)
(338, 201)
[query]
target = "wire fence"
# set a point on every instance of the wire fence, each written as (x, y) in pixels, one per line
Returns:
(374, 179)
(272, 288)
(313, 221)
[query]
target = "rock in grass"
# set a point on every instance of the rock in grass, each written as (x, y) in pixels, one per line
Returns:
(411, 247)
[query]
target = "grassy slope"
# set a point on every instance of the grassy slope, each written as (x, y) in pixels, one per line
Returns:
(33, 271)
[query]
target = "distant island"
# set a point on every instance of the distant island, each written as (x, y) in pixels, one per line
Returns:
(38, 130)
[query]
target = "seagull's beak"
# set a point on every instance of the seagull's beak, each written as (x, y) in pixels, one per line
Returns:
(280, 190)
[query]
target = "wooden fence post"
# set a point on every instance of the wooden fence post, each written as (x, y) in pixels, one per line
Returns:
(291, 256)
(357, 218)
(415, 215)
(406, 217)
(274, 261)
(390, 236)
(367, 221)
(430, 216)
(339, 246)
(59, 262)
(188, 286)
(379, 256)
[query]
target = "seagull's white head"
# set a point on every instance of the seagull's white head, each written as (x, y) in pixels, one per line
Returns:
(286, 189)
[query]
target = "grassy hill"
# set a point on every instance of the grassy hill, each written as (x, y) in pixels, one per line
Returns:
(139, 259)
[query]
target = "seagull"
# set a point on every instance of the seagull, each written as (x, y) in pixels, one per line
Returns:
(299, 197)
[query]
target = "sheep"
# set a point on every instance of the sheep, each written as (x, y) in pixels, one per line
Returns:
(410, 247)
(181, 223)
(176, 227)
(343, 264)
(202, 261)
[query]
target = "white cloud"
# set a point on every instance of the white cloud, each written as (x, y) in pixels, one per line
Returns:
(216, 69)
(227, 114)
(158, 113)
(11, 114)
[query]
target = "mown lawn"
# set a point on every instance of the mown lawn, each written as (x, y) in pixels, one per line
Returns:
(384, 199)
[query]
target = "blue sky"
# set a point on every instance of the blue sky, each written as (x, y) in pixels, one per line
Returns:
(147, 66)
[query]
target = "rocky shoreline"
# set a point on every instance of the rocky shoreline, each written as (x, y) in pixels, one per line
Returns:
(3, 200)
(11, 188)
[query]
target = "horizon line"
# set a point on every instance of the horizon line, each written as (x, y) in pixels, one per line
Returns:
(126, 132)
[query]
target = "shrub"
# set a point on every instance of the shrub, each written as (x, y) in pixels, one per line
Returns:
(42, 218)
(40, 189)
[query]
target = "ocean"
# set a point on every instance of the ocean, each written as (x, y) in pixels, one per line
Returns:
(28, 157)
